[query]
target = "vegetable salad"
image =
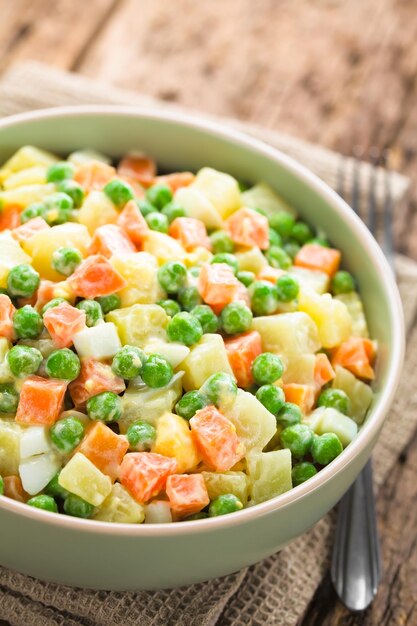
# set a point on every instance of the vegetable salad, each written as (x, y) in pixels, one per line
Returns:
(172, 347)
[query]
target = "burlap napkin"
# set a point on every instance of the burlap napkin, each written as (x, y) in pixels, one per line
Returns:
(275, 591)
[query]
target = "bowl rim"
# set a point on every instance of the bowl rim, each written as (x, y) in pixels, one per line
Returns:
(370, 428)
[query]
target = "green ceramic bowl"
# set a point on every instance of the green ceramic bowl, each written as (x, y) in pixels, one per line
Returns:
(109, 556)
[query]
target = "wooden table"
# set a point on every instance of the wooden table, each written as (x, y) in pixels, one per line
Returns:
(343, 74)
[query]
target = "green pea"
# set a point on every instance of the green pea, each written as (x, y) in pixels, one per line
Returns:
(66, 434)
(194, 271)
(157, 371)
(73, 190)
(141, 436)
(22, 281)
(63, 364)
(226, 257)
(342, 282)
(159, 195)
(289, 414)
(54, 489)
(1, 486)
(145, 207)
(109, 303)
(172, 276)
(264, 297)
(274, 238)
(9, 398)
(47, 503)
(224, 504)
(298, 439)
(267, 368)
(58, 208)
(302, 472)
(190, 403)
(220, 389)
(157, 221)
(93, 311)
(105, 406)
(184, 328)
(236, 317)
(282, 222)
(335, 399)
(77, 507)
(33, 210)
(23, 360)
(301, 232)
(319, 241)
(66, 260)
(291, 248)
(287, 288)
(27, 323)
(60, 171)
(119, 192)
(51, 304)
(271, 397)
(172, 210)
(245, 277)
(221, 242)
(277, 257)
(171, 307)
(325, 448)
(206, 316)
(128, 362)
(189, 298)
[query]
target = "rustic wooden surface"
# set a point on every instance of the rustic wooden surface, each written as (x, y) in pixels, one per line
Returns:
(343, 74)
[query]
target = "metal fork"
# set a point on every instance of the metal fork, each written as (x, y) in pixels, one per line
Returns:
(356, 561)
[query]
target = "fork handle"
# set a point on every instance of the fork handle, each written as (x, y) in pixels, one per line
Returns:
(356, 562)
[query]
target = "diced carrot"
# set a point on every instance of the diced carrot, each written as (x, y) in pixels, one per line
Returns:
(13, 488)
(248, 228)
(25, 231)
(10, 216)
(111, 239)
(176, 180)
(241, 352)
(302, 395)
(94, 175)
(190, 232)
(104, 448)
(144, 474)
(133, 222)
(94, 378)
(356, 355)
(316, 257)
(95, 277)
(187, 493)
(271, 274)
(216, 439)
(217, 284)
(62, 322)
(7, 311)
(40, 401)
(323, 371)
(139, 168)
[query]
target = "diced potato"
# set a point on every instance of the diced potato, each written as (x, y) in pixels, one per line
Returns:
(173, 352)
(138, 323)
(311, 279)
(206, 357)
(269, 474)
(354, 305)
(29, 156)
(219, 483)
(163, 247)
(331, 317)
(10, 434)
(288, 333)
(81, 476)
(139, 269)
(332, 421)
(45, 345)
(79, 157)
(148, 404)
(174, 439)
(43, 244)
(36, 471)
(101, 341)
(11, 254)
(97, 209)
(197, 205)
(359, 394)
(6, 375)
(34, 440)
(251, 260)
(28, 194)
(262, 196)
(198, 256)
(158, 512)
(300, 370)
(254, 424)
(119, 507)
(221, 189)
(30, 176)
